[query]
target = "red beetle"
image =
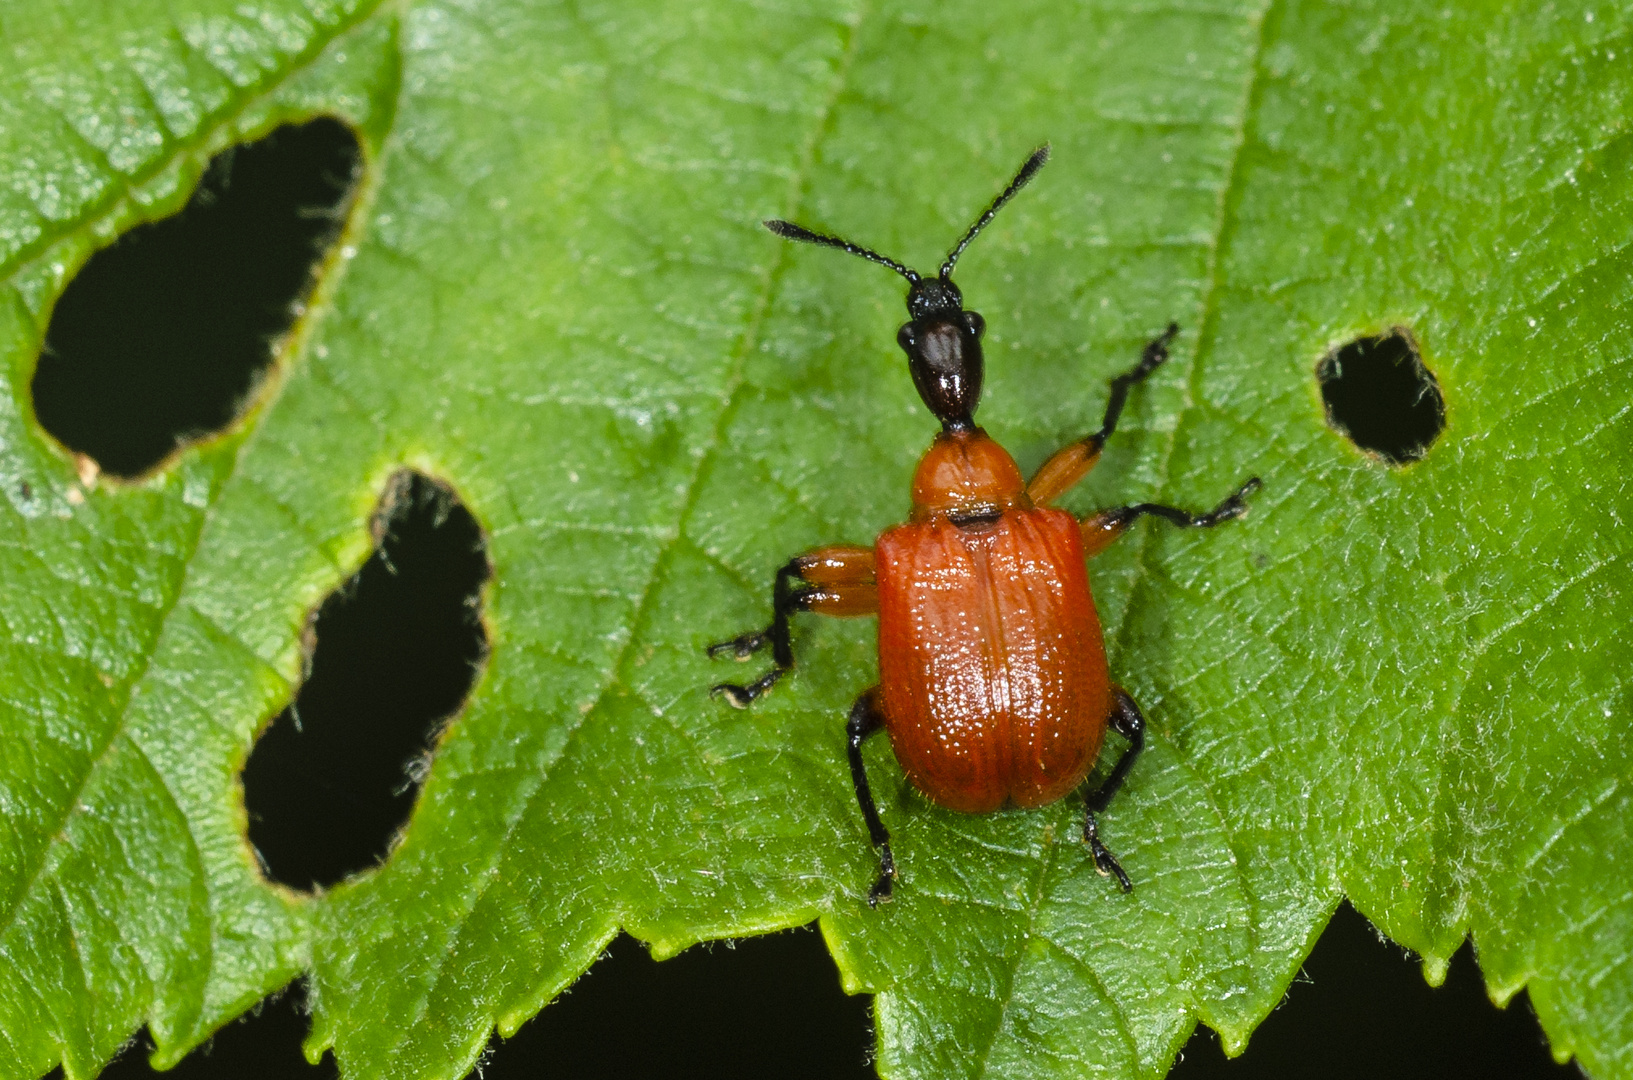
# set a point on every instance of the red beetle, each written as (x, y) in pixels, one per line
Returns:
(992, 667)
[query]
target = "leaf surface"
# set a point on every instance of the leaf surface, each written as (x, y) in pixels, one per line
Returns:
(1396, 684)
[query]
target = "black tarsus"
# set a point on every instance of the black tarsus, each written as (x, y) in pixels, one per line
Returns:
(1152, 357)
(786, 599)
(799, 232)
(866, 718)
(1127, 721)
(1232, 508)
(1028, 169)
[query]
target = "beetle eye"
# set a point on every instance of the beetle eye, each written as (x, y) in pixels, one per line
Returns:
(975, 323)
(906, 338)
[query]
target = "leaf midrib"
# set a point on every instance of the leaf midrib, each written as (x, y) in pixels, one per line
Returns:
(617, 670)
(1143, 559)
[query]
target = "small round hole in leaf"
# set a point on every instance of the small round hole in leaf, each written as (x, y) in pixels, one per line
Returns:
(395, 652)
(1382, 397)
(161, 337)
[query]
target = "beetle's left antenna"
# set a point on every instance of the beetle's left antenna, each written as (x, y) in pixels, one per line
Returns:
(800, 232)
(1039, 158)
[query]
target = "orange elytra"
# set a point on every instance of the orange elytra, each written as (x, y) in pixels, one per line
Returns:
(993, 683)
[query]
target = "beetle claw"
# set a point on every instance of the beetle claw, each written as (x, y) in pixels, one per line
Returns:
(1232, 508)
(737, 697)
(1106, 864)
(1155, 353)
(881, 891)
(742, 696)
(1238, 502)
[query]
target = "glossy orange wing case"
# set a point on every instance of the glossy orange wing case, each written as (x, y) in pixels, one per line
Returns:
(992, 663)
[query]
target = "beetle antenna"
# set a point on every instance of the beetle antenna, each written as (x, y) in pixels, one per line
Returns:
(1039, 157)
(799, 232)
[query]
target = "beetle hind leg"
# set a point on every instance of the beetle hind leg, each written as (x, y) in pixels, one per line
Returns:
(1127, 721)
(867, 716)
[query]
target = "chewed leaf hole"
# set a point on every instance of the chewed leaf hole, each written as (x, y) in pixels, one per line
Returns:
(1381, 396)
(394, 653)
(161, 338)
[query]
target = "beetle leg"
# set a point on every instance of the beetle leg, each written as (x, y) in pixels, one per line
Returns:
(1072, 463)
(1099, 530)
(1126, 721)
(835, 580)
(867, 716)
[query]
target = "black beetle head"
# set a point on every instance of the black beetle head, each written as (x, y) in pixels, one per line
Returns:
(943, 351)
(934, 296)
(942, 340)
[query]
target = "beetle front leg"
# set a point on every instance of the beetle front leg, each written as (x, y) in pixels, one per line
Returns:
(1127, 721)
(867, 716)
(835, 580)
(1072, 463)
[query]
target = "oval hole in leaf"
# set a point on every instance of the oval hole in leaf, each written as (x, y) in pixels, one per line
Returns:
(1360, 1008)
(1380, 395)
(161, 338)
(759, 1007)
(396, 650)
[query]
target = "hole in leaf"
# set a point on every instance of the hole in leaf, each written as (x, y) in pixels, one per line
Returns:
(332, 780)
(1360, 1009)
(762, 1007)
(263, 1044)
(161, 337)
(1381, 396)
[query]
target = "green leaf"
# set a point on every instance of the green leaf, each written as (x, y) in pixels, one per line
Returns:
(1404, 685)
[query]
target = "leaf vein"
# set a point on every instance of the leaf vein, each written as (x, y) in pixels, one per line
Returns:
(108, 205)
(735, 381)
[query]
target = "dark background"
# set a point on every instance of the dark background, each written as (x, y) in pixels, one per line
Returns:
(161, 338)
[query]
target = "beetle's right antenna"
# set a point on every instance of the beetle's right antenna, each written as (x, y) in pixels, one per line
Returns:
(1039, 158)
(800, 232)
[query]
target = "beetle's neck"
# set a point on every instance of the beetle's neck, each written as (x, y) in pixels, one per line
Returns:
(966, 474)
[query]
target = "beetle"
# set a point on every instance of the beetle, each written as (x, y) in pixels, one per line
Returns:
(993, 683)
